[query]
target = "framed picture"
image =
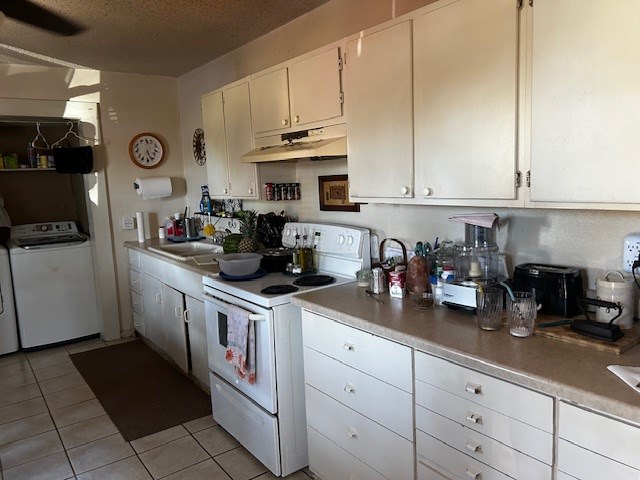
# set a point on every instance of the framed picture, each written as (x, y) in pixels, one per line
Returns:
(333, 191)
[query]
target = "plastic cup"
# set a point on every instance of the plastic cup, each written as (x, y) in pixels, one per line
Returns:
(489, 308)
(521, 314)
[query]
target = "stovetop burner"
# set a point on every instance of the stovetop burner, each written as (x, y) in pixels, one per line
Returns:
(314, 280)
(279, 289)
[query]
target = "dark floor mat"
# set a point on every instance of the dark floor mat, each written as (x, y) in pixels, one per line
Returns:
(140, 390)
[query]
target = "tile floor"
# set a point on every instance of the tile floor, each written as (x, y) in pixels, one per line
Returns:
(52, 427)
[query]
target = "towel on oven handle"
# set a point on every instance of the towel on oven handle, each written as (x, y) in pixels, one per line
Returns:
(241, 343)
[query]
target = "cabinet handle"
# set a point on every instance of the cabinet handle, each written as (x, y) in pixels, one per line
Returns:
(351, 433)
(136, 324)
(471, 474)
(348, 346)
(250, 191)
(474, 418)
(185, 316)
(285, 122)
(473, 446)
(178, 312)
(350, 388)
(473, 388)
(404, 190)
(225, 191)
(427, 192)
(296, 119)
(159, 298)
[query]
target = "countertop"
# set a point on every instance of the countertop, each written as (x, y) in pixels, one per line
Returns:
(207, 270)
(569, 372)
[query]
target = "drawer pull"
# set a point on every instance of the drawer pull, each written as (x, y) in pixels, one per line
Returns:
(471, 474)
(350, 388)
(473, 447)
(473, 388)
(351, 433)
(350, 347)
(474, 418)
(159, 298)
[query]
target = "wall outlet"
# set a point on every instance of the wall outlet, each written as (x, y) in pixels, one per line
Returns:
(128, 222)
(631, 251)
(375, 246)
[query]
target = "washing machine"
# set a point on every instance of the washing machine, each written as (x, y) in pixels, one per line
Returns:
(53, 283)
(8, 326)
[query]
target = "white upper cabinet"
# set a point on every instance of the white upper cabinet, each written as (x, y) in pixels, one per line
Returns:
(305, 92)
(226, 116)
(378, 103)
(465, 100)
(585, 103)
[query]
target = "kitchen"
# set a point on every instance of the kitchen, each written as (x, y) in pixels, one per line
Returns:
(591, 239)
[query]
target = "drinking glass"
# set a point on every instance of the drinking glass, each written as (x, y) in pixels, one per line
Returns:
(489, 308)
(521, 314)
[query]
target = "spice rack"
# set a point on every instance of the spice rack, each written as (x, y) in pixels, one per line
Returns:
(275, 192)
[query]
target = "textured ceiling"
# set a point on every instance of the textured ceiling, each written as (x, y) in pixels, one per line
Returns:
(156, 37)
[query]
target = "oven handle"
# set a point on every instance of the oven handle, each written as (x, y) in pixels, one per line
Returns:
(256, 317)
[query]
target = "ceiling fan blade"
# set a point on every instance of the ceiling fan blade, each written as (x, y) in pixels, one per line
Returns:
(27, 12)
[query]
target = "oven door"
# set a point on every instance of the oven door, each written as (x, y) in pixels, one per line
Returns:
(263, 391)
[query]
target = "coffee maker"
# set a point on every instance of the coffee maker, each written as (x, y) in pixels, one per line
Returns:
(476, 260)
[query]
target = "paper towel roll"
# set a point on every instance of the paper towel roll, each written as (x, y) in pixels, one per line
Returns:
(153, 187)
(140, 225)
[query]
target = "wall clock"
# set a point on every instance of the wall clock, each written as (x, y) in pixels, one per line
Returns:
(146, 150)
(199, 152)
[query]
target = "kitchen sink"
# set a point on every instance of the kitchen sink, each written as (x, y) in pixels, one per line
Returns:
(187, 250)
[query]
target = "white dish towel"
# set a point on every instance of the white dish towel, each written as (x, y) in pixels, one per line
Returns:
(629, 375)
(241, 343)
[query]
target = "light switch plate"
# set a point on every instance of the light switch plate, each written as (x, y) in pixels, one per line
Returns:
(128, 222)
(631, 251)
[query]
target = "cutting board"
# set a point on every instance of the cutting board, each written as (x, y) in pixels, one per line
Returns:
(564, 333)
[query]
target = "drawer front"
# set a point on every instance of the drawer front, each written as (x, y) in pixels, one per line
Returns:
(187, 281)
(524, 438)
(137, 303)
(156, 268)
(511, 400)
(138, 324)
(135, 281)
(134, 258)
(253, 427)
(450, 463)
(380, 358)
(605, 436)
(377, 400)
(386, 452)
(425, 472)
(330, 462)
(586, 465)
(482, 448)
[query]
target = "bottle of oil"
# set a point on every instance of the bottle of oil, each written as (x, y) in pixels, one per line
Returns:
(297, 260)
(306, 255)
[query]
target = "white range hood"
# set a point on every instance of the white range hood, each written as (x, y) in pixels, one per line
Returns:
(323, 143)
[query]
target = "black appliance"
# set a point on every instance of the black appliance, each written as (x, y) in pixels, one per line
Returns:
(557, 288)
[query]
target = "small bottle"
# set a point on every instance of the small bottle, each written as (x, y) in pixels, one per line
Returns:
(316, 245)
(32, 156)
(297, 261)
(205, 201)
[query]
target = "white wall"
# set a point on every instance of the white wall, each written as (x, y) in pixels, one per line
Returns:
(588, 239)
(129, 104)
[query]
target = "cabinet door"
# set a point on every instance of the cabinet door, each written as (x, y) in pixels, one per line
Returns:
(314, 88)
(270, 101)
(237, 120)
(194, 315)
(378, 103)
(216, 144)
(465, 95)
(154, 319)
(175, 327)
(585, 101)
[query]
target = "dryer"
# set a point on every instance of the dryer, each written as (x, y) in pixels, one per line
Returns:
(53, 282)
(8, 325)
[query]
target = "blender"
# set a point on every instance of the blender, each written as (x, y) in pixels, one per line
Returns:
(476, 260)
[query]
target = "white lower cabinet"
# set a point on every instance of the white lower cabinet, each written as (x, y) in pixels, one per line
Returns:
(166, 313)
(349, 388)
(592, 446)
(471, 425)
